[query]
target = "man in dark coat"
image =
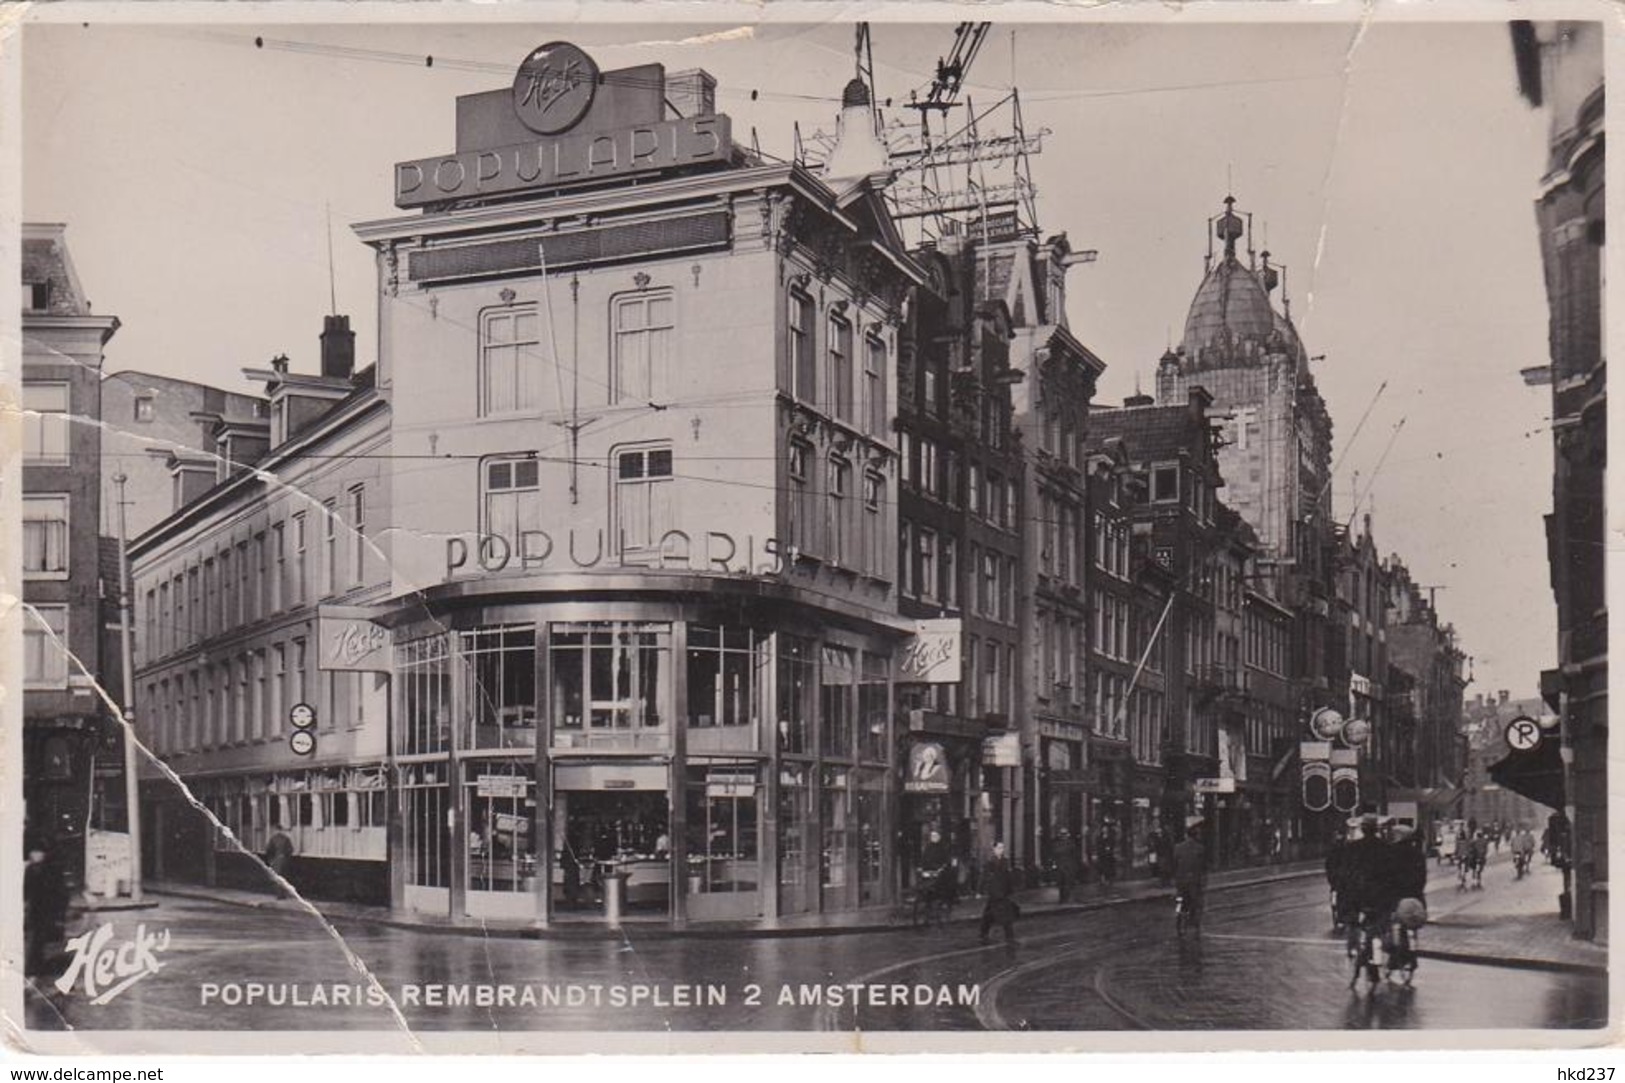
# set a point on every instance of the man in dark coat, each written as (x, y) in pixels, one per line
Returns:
(1369, 879)
(1410, 865)
(1190, 871)
(1068, 869)
(998, 886)
(45, 909)
(936, 871)
(1156, 844)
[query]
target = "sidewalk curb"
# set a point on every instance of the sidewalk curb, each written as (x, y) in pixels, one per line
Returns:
(664, 931)
(1554, 966)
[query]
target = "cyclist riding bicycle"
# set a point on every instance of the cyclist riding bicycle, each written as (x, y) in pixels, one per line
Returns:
(1370, 882)
(1190, 874)
(1523, 848)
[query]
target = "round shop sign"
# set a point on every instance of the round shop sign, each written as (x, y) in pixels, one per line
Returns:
(1325, 724)
(554, 88)
(1356, 732)
(302, 715)
(1523, 734)
(303, 742)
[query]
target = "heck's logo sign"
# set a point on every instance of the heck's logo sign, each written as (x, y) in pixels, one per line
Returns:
(106, 967)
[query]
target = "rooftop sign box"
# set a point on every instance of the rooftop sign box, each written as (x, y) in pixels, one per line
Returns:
(563, 122)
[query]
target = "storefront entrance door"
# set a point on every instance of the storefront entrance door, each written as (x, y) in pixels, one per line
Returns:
(500, 796)
(605, 833)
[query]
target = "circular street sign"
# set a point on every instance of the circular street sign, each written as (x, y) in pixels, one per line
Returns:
(303, 742)
(1325, 724)
(302, 715)
(554, 88)
(1356, 732)
(1523, 733)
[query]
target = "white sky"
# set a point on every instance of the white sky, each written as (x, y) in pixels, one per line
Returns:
(196, 173)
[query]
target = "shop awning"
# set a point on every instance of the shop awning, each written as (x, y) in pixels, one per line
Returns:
(1536, 774)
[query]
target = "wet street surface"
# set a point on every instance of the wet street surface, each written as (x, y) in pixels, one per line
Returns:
(1266, 960)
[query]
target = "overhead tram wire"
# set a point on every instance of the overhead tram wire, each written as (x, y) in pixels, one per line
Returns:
(485, 67)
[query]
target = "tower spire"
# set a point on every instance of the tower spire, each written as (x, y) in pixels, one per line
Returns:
(1229, 228)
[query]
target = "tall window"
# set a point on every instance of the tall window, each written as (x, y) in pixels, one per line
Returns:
(330, 546)
(279, 572)
(508, 368)
(840, 369)
(299, 559)
(45, 654)
(45, 537)
(45, 422)
(513, 498)
(802, 512)
(609, 676)
(261, 586)
(499, 681)
(643, 497)
(874, 537)
(644, 325)
(925, 542)
(874, 384)
(803, 369)
(727, 676)
(358, 544)
(838, 526)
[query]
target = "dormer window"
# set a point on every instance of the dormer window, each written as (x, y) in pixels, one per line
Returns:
(1165, 483)
(36, 296)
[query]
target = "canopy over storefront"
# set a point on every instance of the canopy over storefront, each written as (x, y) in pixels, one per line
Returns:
(1536, 774)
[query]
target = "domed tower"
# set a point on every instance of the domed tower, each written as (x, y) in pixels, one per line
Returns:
(1277, 435)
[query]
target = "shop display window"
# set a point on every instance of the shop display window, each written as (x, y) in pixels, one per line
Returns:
(423, 677)
(873, 743)
(611, 684)
(836, 689)
(501, 801)
(869, 794)
(425, 798)
(499, 673)
(727, 686)
(795, 821)
(795, 694)
(837, 864)
(723, 811)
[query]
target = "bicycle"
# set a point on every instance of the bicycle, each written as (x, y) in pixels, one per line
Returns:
(1402, 958)
(925, 904)
(1187, 915)
(1368, 953)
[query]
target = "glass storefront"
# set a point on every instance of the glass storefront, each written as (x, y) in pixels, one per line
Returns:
(723, 818)
(560, 738)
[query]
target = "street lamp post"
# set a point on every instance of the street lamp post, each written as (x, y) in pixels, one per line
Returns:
(132, 789)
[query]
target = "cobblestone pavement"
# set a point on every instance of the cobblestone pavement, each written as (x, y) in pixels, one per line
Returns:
(1266, 960)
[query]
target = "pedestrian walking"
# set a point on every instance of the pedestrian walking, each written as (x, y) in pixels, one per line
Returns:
(279, 858)
(1190, 873)
(1106, 853)
(1068, 867)
(998, 890)
(1160, 851)
(45, 910)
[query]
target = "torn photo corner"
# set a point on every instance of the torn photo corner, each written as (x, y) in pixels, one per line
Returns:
(535, 533)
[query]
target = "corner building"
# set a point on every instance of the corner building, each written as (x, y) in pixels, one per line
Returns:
(643, 491)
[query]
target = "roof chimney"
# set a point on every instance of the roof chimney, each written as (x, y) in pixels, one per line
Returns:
(338, 347)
